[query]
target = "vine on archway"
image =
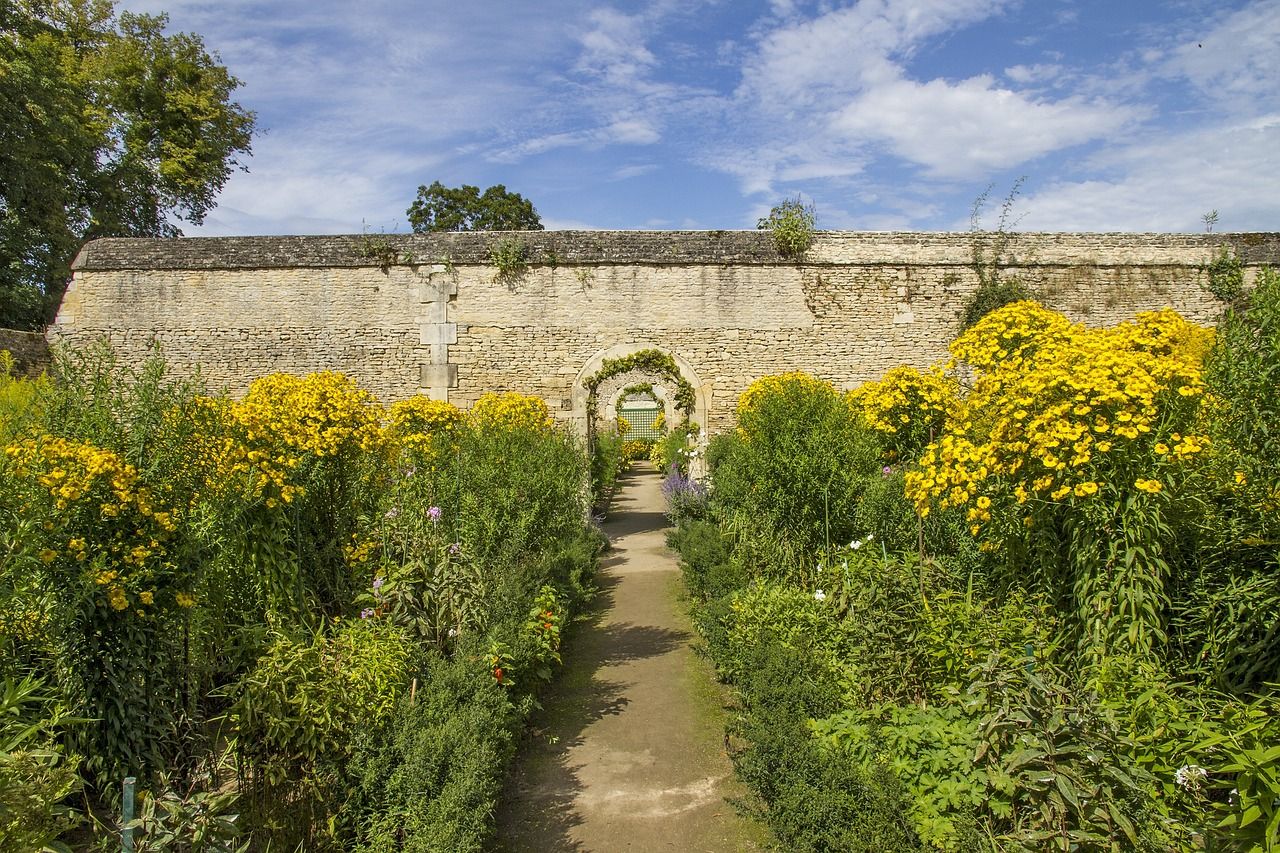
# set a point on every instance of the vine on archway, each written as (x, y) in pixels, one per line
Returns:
(638, 388)
(653, 360)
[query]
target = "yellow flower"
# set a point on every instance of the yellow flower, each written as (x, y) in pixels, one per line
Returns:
(1240, 478)
(47, 556)
(1151, 486)
(512, 411)
(146, 597)
(185, 599)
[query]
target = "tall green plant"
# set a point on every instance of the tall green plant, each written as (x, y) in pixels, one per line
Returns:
(792, 224)
(991, 258)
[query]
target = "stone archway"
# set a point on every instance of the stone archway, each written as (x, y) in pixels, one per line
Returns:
(611, 391)
(589, 402)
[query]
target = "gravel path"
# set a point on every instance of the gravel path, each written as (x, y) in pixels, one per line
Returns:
(627, 754)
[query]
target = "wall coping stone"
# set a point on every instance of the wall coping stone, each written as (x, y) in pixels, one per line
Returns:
(664, 248)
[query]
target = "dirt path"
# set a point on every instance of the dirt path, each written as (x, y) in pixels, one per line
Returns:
(628, 751)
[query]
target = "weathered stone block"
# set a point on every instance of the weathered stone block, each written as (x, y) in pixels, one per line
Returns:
(439, 375)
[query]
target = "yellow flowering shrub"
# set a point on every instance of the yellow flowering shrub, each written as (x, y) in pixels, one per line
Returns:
(260, 442)
(769, 385)
(1059, 412)
(101, 524)
(419, 421)
(512, 410)
(907, 407)
(1010, 338)
(420, 415)
(320, 414)
(20, 403)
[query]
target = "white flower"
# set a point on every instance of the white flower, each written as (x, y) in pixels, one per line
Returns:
(819, 567)
(1190, 776)
(855, 544)
(819, 596)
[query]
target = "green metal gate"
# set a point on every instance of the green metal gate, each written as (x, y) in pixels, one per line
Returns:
(641, 419)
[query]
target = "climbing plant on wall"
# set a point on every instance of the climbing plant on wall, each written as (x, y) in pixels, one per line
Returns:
(652, 360)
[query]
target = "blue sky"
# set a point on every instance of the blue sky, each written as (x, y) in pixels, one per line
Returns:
(1124, 115)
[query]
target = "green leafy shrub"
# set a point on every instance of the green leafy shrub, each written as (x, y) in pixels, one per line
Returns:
(1062, 774)
(36, 776)
(705, 557)
(298, 713)
(798, 464)
(431, 781)
(930, 751)
(792, 223)
(1225, 276)
(606, 464)
(814, 800)
(195, 821)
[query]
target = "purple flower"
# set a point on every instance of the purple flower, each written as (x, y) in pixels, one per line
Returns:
(392, 513)
(886, 470)
(434, 513)
(378, 582)
(455, 549)
(366, 613)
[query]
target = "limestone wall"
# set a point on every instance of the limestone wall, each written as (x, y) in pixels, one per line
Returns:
(415, 313)
(30, 351)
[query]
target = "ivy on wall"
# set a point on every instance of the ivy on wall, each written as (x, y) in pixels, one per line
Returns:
(652, 360)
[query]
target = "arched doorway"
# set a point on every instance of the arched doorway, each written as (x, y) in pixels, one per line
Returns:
(608, 375)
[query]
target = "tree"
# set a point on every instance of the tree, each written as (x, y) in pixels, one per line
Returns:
(441, 208)
(109, 128)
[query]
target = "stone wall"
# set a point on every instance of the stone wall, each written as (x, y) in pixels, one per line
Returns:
(405, 314)
(29, 349)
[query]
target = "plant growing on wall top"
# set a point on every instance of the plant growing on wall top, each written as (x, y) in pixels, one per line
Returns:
(511, 257)
(991, 256)
(792, 224)
(653, 360)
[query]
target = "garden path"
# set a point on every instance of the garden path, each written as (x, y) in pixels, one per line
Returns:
(627, 753)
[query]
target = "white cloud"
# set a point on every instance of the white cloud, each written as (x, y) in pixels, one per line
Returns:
(848, 49)
(829, 95)
(1169, 181)
(614, 47)
(634, 171)
(1037, 73)
(972, 127)
(1236, 60)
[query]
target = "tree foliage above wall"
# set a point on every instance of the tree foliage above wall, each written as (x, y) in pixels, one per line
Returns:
(109, 128)
(464, 208)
